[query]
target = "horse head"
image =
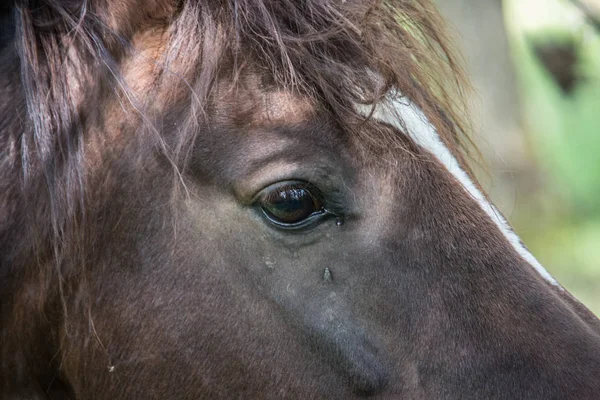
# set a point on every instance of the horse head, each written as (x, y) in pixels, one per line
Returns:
(259, 199)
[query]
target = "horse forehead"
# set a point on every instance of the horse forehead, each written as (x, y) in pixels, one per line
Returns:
(283, 107)
(253, 104)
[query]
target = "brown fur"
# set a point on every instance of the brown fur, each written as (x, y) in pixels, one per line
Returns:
(101, 97)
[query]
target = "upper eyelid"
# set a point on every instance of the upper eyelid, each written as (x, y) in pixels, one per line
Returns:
(247, 186)
(311, 188)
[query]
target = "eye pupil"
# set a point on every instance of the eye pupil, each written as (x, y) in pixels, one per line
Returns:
(290, 205)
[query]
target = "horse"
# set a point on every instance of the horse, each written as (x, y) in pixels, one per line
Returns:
(260, 199)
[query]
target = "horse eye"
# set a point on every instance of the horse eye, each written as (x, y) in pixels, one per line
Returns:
(291, 205)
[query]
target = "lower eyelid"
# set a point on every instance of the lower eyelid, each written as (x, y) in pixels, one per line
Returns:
(311, 220)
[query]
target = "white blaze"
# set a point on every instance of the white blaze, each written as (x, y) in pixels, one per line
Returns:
(402, 114)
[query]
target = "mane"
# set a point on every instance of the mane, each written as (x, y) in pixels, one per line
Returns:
(69, 54)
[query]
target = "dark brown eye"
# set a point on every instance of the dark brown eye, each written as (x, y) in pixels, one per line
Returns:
(290, 205)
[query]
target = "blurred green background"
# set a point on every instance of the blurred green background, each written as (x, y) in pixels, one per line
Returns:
(535, 65)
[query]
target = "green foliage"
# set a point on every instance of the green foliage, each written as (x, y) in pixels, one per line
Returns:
(563, 130)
